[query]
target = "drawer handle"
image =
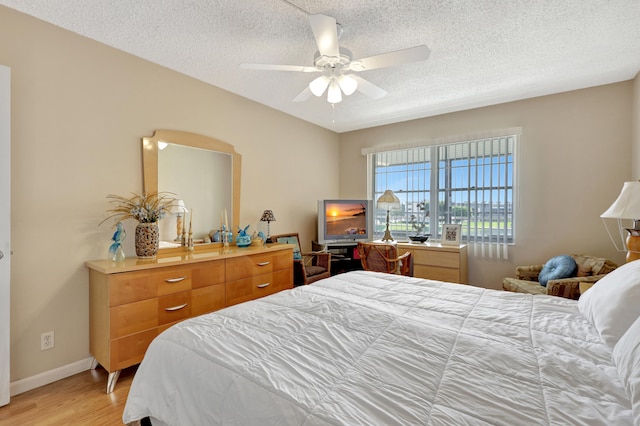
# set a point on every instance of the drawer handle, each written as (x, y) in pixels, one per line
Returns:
(263, 285)
(175, 280)
(263, 263)
(176, 308)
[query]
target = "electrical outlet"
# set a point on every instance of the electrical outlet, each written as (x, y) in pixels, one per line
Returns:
(46, 340)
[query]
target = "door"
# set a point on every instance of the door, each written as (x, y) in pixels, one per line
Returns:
(5, 237)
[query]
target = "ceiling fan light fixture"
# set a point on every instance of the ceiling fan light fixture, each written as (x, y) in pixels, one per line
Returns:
(319, 85)
(334, 94)
(332, 61)
(348, 84)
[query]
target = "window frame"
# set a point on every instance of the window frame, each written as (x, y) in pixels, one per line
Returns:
(504, 205)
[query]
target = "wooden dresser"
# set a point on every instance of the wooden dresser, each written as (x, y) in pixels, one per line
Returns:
(133, 301)
(438, 262)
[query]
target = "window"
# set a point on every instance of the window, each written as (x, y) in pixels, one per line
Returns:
(470, 183)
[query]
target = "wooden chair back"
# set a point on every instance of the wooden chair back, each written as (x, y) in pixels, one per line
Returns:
(307, 267)
(382, 257)
(292, 238)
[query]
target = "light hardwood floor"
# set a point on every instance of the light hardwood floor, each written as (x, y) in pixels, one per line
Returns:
(77, 400)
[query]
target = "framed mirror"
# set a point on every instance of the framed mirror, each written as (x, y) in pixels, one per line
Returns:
(201, 171)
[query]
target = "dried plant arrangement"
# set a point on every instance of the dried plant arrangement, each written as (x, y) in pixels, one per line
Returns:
(145, 208)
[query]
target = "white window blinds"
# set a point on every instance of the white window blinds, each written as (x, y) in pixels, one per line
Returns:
(468, 182)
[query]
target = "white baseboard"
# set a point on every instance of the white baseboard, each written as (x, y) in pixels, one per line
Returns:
(29, 383)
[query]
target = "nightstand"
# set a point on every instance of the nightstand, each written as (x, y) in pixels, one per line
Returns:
(438, 262)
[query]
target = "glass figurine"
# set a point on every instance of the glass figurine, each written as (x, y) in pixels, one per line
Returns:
(116, 253)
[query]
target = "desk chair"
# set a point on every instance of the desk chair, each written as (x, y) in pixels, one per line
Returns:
(383, 257)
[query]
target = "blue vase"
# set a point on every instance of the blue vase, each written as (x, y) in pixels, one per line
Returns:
(243, 240)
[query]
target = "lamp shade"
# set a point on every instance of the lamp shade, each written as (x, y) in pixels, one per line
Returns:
(179, 208)
(388, 200)
(348, 84)
(336, 85)
(319, 85)
(627, 205)
(334, 94)
(267, 216)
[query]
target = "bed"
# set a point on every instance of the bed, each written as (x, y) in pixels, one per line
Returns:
(366, 348)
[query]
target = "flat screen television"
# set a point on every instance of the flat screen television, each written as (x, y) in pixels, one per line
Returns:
(345, 221)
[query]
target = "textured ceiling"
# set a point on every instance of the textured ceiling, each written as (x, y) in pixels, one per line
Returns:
(482, 52)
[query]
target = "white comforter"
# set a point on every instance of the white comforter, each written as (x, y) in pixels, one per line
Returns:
(375, 349)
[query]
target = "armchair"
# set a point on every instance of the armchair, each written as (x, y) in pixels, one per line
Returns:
(382, 257)
(307, 267)
(589, 270)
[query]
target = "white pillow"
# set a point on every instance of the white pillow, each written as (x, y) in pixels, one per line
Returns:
(613, 303)
(626, 356)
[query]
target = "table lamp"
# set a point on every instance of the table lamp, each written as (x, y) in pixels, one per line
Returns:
(267, 216)
(179, 210)
(627, 207)
(388, 201)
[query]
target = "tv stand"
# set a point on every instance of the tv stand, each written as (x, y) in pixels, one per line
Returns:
(344, 255)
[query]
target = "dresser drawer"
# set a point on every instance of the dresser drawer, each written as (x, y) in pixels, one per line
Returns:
(436, 258)
(134, 286)
(208, 274)
(258, 286)
(242, 290)
(437, 273)
(130, 350)
(133, 317)
(146, 314)
(174, 307)
(246, 266)
(172, 281)
(282, 260)
(207, 299)
(275, 282)
(131, 287)
(282, 280)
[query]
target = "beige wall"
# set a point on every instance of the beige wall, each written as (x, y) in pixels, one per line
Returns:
(79, 111)
(573, 158)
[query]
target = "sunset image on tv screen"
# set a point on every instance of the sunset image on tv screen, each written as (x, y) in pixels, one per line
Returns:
(346, 219)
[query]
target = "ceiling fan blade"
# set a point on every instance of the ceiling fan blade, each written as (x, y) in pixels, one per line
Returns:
(303, 96)
(368, 88)
(398, 57)
(269, 67)
(326, 34)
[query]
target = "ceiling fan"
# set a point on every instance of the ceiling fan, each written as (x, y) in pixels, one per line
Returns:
(337, 66)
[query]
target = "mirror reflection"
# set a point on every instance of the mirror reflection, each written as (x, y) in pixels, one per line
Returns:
(202, 172)
(200, 178)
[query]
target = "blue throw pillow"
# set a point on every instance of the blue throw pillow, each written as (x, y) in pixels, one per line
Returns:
(557, 267)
